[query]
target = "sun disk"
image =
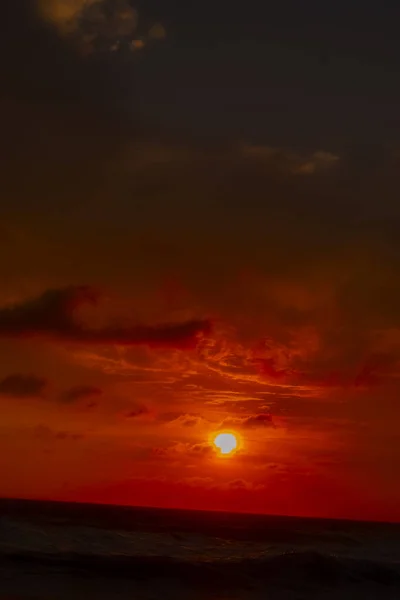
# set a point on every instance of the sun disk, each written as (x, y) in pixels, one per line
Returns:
(226, 443)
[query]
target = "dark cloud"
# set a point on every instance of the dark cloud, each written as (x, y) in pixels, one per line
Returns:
(23, 386)
(248, 422)
(80, 392)
(136, 412)
(52, 315)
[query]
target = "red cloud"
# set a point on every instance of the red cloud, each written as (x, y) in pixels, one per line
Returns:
(80, 392)
(248, 422)
(51, 315)
(268, 368)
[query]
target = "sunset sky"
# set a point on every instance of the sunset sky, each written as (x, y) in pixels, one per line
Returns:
(199, 233)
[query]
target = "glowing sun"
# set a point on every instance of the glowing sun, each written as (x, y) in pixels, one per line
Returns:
(226, 443)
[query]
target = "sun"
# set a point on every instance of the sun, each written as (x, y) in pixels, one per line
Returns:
(226, 443)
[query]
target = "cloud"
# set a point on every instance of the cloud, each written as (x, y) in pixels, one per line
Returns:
(288, 162)
(51, 316)
(242, 484)
(134, 413)
(317, 162)
(22, 386)
(110, 18)
(80, 392)
(99, 24)
(268, 368)
(199, 450)
(45, 433)
(187, 420)
(157, 32)
(64, 13)
(248, 422)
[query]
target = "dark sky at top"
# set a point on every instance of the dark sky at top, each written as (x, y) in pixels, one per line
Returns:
(306, 73)
(299, 78)
(219, 125)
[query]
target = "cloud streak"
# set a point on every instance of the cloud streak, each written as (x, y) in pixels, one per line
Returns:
(22, 386)
(52, 316)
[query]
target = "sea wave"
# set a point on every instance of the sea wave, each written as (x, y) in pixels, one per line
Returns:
(198, 550)
(290, 569)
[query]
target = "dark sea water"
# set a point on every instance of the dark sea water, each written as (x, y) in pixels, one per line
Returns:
(67, 551)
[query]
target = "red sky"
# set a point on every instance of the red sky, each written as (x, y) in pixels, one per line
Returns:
(159, 287)
(310, 385)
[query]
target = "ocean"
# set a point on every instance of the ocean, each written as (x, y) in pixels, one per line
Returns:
(52, 550)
